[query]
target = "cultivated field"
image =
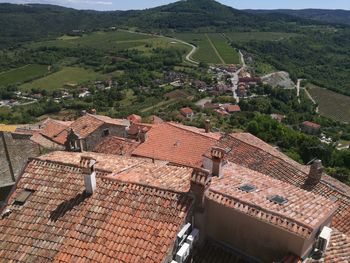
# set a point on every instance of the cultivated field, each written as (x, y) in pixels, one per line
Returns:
(331, 104)
(212, 48)
(66, 76)
(117, 40)
(258, 36)
(23, 74)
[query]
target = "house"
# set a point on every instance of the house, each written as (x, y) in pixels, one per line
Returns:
(310, 128)
(176, 143)
(15, 150)
(221, 112)
(248, 151)
(82, 134)
(278, 117)
(187, 112)
(133, 118)
(232, 108)
(250, 80)
(91, 215)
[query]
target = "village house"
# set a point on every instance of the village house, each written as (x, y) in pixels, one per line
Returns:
(278, 117)
(187, 112)
(242, 90)
(310, 127)
(82, 134)
(232, 108)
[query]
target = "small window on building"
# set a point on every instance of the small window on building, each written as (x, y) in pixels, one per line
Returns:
(23, 196)
(278, 199)
(247, 188)
(105, 133)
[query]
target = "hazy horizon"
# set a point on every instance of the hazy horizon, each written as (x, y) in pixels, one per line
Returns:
(109, 5)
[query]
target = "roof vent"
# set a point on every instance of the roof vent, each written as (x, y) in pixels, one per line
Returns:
(278, 199)
(87, 165)
(247, 188)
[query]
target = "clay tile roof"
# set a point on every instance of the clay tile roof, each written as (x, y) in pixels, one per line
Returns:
(186, 110)
(212, 251)
(251, 152)
(339, 248)
(233, 108)
(134, 118)
(138, 170)
(176, 144)
(120, 222)
(52, 127)
(311, 124)
(302, 213)
(116, 145)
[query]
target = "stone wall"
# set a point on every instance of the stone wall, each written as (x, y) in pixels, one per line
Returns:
(15, 149)
(97, 136)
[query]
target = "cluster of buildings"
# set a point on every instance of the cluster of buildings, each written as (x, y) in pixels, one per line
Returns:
(111, 190)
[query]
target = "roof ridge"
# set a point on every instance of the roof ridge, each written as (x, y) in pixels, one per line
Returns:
(145, 185)
(48, 161)
(188, 130)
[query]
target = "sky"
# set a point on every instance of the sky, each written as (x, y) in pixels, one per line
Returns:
(239, 4)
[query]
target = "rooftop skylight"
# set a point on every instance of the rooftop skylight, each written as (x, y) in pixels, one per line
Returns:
(278, 199)
(247, 188)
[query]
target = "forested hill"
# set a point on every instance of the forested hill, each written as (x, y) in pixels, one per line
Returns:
(31, 22)
(329, 16)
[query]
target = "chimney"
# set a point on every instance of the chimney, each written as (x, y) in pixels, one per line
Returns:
(200, 181)
(87, 165)
(207, 126)
(93, 111)
(315, 174)
(217, 156)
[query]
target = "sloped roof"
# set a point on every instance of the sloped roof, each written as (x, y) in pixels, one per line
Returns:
(116, 145)
(311, 124)
(302, 213)
(253, 153)
(137, 170)
(59, 222)
(176, 144)
(233, 108)
(58, 131)
(186, 110)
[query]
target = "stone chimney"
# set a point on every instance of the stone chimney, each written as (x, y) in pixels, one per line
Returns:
(87, 165)
(217, 156)
(207, 126)
(200, 182)
(315, 174)
(93, 111)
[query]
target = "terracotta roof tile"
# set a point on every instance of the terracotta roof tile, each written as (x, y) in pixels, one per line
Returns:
(302, 213)
(311, 124)
(60, 223)
(186, 110)
(176, 144)
(137, 170)
(116, 145)
(253, 153)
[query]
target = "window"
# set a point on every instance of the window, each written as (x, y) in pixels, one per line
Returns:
(105, 133)
(247, 188)
(278, 199)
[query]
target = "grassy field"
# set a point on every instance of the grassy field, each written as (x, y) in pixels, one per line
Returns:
(258, 36)
(22, 74)
(206, 51)
(56, 81)
(331, 104)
